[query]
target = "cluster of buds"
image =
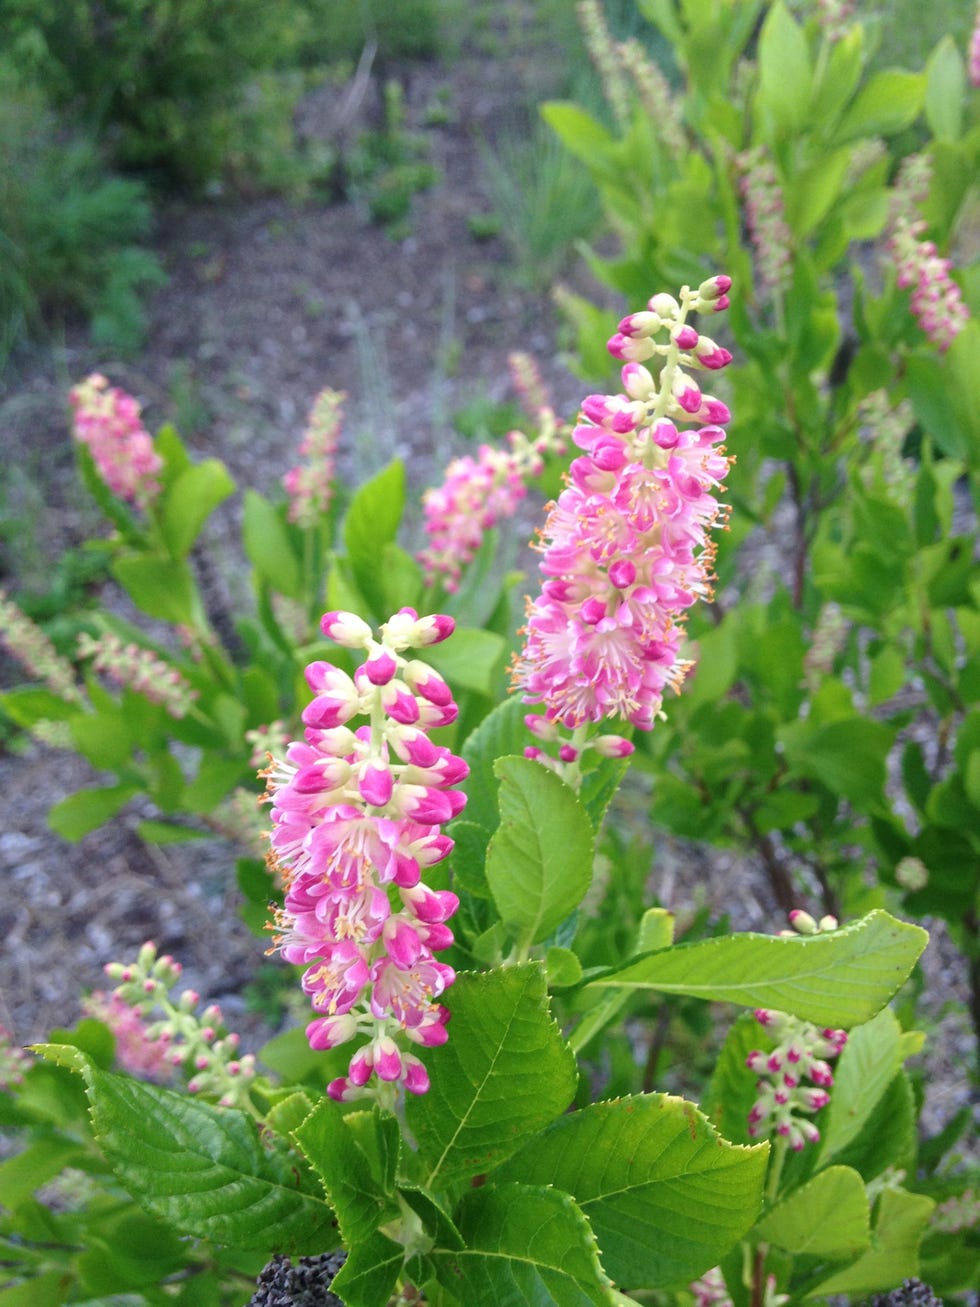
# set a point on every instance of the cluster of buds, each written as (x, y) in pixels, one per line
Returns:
(801, 1053)
(974, 56)
(168, 1030)
(109, 422)
(603, 53)
(134, 668)
(309, 485)
(25, 641)
(626, 548)
(14, 1061)
(239, 817)
(834, 17)
(764, 215)
(937, 302)
(887, 425)
(477, 493)
(827, 639)
(356, 813)
(527, 380)
(660, 103)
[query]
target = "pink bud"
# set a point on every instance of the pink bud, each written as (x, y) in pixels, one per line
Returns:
(685, 337)
(346, 629)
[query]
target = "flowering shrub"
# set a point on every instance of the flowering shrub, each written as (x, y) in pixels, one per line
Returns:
(475, 1111)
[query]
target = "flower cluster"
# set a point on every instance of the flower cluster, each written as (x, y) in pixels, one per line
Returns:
(199, 1045)
(477, 493)
(764, 214)
(140, 670)
(937, 302)
(14, 1061)
(625, 547)
(108, 421)
(309, 485)
(800, 1053)
(356, 813)
(25, 641)
(834, 17)
(603, 53)
(974, 60)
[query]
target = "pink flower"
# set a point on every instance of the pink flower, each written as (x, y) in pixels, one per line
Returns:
(625, 547)
(109, 423)
(309, 484)
(476, 494)
(357, 809)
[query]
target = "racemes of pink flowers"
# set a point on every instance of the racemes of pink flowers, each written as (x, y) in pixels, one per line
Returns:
(309, 484)
(936, 302)
(357, 811)
(108, 422)
(477, 493)
(626, 548)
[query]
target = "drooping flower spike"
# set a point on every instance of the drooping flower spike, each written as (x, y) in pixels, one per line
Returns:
(626, 547)
(357, 808)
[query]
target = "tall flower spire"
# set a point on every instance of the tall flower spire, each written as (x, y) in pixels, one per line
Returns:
(626, 549)
(109, 422)
(356, 813)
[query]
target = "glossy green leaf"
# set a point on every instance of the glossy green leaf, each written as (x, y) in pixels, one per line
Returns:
(945, 91)
(524, 1247)
(539, 861)
(203, 1169)
(503, 1075)
(501, 733)
(785, 76)
(469, 660)
(371, 523)
(888, 102)
(864, 1070)
(187, 503)
(847, 756)
(900, 1222)
(159, 586)
(838, 979)
(828, 1217)
(579, 132)
(268, 546)
(815, 191)
(368, 1276)
(86, 810)
(334, 1153)
(665, 1194)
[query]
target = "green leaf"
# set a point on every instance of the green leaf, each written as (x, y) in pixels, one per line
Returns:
(525, 1247)
(159, 586)
(888, 1137)
(539, 861)
(838, 979)
(27, 707)
(86, 810)
(945, 91)
(168, 832)
(900, 1223)
(732, 1088)
(43, 1159)
(665, 1194)
(815, 191)
(102, 738)
(504, 1074)
(203, 1169)
(579, 132)
(188, 502)
(265, 537)
(785, 76)
(343, 1166)
(828, 1217)
(656, 931)
(847, 756)
(888, 102)
(371, 523)
(864, 1070)
(368, 1275)
(502, 732)
(563, 967)
(469, 660)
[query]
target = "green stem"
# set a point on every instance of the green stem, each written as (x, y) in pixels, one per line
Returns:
(780, 1148)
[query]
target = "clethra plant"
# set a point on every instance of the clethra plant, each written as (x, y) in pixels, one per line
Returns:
(457, 1124)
